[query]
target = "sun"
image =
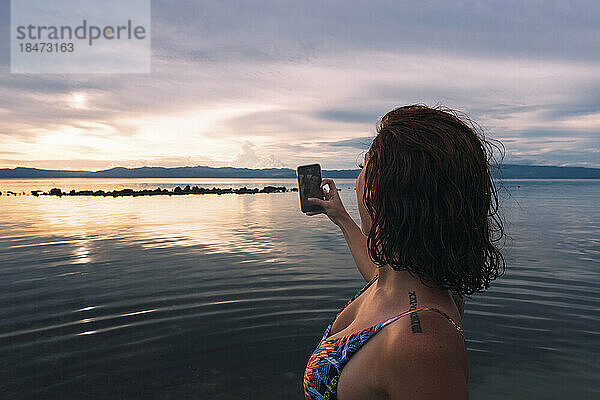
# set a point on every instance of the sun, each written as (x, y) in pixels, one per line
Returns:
(77, 100)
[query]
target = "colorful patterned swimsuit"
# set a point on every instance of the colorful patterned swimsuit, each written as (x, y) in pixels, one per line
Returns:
(326, 362)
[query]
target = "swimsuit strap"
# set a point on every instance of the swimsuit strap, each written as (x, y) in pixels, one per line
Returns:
(458, 328)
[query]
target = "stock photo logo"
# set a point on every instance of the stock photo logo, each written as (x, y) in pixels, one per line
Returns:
(83, 36)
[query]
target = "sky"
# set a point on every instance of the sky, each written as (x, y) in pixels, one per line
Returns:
(262, 84)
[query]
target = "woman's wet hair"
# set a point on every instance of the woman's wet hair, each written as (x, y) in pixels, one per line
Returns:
(431, 195)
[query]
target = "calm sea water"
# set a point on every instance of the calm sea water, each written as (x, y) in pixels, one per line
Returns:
(225, 297)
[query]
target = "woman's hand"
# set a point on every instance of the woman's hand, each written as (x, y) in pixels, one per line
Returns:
(332, 205)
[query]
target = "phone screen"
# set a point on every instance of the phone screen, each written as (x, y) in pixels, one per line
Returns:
(309, 185)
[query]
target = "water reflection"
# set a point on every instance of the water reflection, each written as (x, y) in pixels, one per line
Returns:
(225, 223)
(151, 297)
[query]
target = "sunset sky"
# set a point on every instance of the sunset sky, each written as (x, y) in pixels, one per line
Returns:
(283, 83)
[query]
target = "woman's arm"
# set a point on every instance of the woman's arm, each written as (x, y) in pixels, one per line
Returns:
(357, 242)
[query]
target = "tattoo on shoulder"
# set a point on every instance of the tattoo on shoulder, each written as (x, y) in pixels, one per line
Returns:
(415, 323)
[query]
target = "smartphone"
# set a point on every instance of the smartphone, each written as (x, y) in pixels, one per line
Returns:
(309, 185)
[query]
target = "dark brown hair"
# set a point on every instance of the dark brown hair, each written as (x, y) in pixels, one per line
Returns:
(432, 198)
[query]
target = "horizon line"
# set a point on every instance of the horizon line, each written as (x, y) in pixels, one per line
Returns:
(266, 168)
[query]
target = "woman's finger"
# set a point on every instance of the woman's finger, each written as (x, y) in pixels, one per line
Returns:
(316, 201)
(314, 212)
(330, 182)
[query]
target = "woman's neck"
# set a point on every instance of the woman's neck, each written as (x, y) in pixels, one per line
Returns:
(392, 285)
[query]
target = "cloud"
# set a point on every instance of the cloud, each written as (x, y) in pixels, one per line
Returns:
(306, 82)
(362, 143)
(349, 116)
(247, 158)
(299, 31)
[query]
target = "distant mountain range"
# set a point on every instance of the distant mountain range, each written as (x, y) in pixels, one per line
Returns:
(509, 171)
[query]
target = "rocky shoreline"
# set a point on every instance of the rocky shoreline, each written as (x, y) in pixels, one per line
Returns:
(156, 192)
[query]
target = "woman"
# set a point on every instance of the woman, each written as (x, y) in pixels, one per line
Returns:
(429, 220)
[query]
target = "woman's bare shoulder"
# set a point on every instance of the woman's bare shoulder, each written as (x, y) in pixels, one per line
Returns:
(419, 351)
